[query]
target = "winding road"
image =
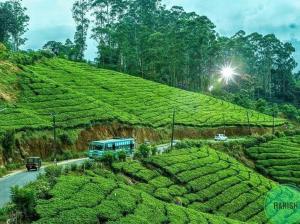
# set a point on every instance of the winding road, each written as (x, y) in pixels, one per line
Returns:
(21, 178)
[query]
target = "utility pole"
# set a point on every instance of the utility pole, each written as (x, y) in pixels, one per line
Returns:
(173, 127)
(224, 124)
(54, 134)
(273, 129)
(3, 109)
(248, 119)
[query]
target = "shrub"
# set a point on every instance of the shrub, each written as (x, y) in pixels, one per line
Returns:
(137, 155)
(52, 173)
(65, 139)
(108, 158)
(25, 201)
(269, 137)
(67, 169)
(42, 188)
(8, 144)
(153, 151)
(289, 132)
(14, 166)
(144, 150)
(279, 134)
(3, 171)
(74, 167)
(261, 139)
(290, 111)
(122, 156)
(3, 215)
(67, 155)
(88, 164)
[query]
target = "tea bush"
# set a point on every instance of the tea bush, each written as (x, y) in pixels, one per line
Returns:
(82, 95)
(86, 199)
(278, 159)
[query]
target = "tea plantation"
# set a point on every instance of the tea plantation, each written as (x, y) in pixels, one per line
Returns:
(205, 180)
(81, 94)
(95, 199)
(192, 185)
(279, 159)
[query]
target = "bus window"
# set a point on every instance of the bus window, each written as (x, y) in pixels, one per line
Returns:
(98, 147)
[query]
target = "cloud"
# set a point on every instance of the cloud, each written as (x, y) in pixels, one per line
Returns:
(38, 37)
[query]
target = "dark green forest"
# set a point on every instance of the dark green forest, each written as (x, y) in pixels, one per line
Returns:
(182, 49)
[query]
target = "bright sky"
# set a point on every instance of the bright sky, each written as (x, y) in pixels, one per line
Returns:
(52, 19)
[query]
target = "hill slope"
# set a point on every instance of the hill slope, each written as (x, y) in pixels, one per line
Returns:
(81, 94)
(279, 159)
(211, 186)
(206, 180)
(96, 198)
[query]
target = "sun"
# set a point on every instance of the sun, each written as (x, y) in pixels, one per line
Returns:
(227, 73)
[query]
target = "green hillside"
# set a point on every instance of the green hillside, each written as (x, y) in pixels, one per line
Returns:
(279, 159)
(210, 185)
(81, 94)
(206, 180)
(99, 199)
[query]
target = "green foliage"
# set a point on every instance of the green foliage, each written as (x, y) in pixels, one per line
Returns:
(67, 50)
(153, 150)
(3, 215)
(52, 173)
(279, 158)
(88, 164)
(8, 144)
(3, 171)
(80, 11)
(14, 166)
(108, 158)
(65, 139)
(168, 41)
(204, 179)
(291, 112)
(24, 200)
(144, 150)
(74, 167)
(13, 22)
(122, 156)
(80, 102)
(261, 105)
(94, 199)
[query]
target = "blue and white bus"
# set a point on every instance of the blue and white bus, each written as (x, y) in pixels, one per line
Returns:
(98, 148)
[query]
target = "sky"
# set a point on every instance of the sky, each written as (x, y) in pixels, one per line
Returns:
(52, 19)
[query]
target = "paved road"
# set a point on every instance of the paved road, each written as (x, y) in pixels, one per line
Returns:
(163, 148)
(22, 178)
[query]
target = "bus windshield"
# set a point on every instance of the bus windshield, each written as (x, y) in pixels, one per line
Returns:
(96, 147)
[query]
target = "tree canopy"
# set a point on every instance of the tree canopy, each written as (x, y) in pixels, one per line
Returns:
(183, 49)
(13, 23)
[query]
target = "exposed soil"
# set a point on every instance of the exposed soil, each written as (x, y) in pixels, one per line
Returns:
(44, 146)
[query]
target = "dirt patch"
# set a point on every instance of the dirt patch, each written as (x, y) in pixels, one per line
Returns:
(158, 135)
(6, 96)
(44, 146)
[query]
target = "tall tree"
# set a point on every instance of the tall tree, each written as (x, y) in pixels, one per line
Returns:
(19, 23)
(6, 18)
(80, 14)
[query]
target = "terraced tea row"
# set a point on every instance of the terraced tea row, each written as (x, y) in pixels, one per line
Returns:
(133, 100)
(95, 198)
(205, 180)
(279, 159)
